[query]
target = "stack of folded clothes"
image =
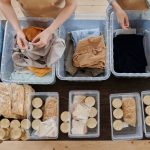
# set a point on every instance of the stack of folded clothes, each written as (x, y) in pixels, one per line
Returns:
(85, 53)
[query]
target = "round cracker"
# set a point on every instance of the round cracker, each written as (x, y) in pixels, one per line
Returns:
(90, 101)
(118, 125)
(91, 123)
(7, 134)
(2, 134)
(118, 113)
(36, 124)
(117, 103)
(37, 113)
(25, 124)
(147, 110)
(37, 102)
(65, 116)
(64, 127)
(93, 112)
(15, 134)
(15, 124)
(147, 121)
(146, 100)
(5, 123)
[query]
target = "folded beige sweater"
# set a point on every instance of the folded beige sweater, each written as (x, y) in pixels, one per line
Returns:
(90, 53)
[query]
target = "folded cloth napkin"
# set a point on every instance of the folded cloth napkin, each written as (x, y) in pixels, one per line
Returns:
(40, 72)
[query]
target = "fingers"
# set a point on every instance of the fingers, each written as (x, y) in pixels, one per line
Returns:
(124, 22)
(21, 40)
(25, 43)
(42, 39)
(22, 43)
(19, 43)
(124, 26)
(36, 39)
(39, 42)
(123, 19)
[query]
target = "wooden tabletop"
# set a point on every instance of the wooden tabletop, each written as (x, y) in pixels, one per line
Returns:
(77, 145)
(113, 85)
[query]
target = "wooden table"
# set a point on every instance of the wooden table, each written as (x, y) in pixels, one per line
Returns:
(84, 145)
(112, 85)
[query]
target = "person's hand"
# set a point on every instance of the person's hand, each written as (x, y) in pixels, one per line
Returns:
(43, 38)
(21, 40)
(122, 18)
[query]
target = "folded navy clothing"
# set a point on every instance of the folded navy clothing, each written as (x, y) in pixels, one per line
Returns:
(129, 54)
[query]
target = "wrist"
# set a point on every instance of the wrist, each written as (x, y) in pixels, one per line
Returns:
(17, 30)
(116, 6)
(51, 30)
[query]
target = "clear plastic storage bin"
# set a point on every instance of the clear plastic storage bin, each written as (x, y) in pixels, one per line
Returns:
(2, 28)
(130, 133)
(43, 96)
(7, 63)
(143, 27)
(92, 133)
(146, 128)
(79, 24)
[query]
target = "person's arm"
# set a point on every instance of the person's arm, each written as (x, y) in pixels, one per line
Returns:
(110, 1)
(9, 13)
(121, 15)
(43, 38)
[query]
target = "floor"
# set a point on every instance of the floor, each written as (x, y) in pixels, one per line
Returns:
(97, 8)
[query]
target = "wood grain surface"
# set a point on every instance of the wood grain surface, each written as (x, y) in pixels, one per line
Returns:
(105, 145)
(113, 85)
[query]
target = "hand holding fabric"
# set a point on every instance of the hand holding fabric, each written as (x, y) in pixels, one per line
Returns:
(122, 19)
(42, 39)
(21, 40)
